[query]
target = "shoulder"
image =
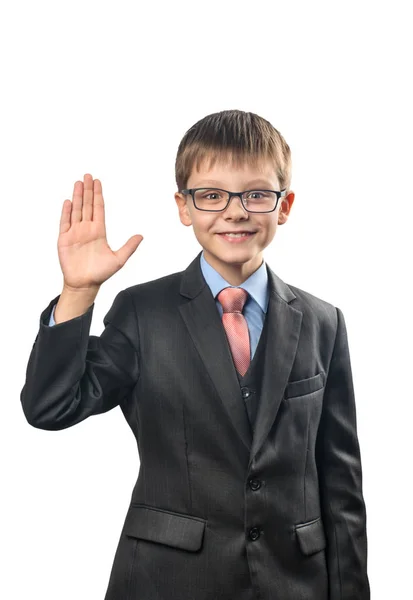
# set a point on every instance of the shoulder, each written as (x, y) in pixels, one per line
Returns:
(314, 308)
(307, 299)
(157, 292)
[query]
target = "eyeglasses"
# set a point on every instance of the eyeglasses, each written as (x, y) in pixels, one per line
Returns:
(264, 201)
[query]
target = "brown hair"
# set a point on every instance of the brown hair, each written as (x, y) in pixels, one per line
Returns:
(236, 136)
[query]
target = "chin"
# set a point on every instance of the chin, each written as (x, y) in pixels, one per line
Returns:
(234, 255)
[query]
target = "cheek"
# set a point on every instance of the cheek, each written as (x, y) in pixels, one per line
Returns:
(203, 225)
(206, 224)
(269, 229)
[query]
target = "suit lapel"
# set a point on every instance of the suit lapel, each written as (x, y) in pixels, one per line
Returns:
(204, 325)
(283, 332)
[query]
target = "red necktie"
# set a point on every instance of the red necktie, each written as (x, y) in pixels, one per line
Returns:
(235, 324)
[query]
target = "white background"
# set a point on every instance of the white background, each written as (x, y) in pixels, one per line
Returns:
(110, 90)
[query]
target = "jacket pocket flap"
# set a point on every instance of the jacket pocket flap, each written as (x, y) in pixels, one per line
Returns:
(166, 527)
(304, 386)
(311, 536)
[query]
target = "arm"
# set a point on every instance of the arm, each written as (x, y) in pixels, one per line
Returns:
(340, 479)
(72, 375)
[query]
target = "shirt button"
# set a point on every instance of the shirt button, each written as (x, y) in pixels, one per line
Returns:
(246, 392)
(254, 533)
(254, 484)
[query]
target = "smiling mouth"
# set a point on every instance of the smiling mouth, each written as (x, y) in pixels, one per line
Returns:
(237, 233)
(237, 238)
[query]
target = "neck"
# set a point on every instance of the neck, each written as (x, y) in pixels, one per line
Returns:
(234, 273)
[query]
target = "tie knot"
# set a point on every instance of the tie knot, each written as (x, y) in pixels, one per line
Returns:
(232, 299)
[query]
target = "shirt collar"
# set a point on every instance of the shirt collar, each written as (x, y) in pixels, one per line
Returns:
(256, 284)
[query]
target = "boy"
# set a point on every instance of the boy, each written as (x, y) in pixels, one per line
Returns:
(237, 387)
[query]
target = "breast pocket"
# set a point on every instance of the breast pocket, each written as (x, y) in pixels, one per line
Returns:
(302, 387)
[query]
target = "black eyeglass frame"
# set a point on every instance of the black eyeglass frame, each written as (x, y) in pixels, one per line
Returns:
(191, 191)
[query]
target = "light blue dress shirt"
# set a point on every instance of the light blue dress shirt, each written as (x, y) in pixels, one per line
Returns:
(255, 306)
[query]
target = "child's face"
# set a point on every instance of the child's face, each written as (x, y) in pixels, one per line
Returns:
(234, 261)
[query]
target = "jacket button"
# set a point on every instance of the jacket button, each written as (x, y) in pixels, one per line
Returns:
(254, 484)
(246, 392)
(254, 533)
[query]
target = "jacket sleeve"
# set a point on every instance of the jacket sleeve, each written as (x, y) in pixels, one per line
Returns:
(340, 479)
(72, 375)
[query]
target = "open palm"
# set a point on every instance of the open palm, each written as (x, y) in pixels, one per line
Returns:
(85, 257)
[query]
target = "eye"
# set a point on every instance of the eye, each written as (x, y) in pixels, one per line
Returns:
(255, 192)
(211, 194)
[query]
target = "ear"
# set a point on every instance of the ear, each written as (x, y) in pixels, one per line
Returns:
(184, 214)
(285, 208)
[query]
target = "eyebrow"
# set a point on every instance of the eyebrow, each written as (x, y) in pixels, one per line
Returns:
(252, 182)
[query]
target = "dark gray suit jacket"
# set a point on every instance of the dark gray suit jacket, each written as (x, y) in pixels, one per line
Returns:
(218, 513)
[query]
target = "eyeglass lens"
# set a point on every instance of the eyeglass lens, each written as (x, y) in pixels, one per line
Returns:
(254, 200)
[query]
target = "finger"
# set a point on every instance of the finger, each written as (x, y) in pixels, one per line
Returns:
(98, 202)
(65, 217)
(87, 209)
(124, 253)
(77, 202)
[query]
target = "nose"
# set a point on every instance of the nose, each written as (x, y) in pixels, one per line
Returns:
(235, 208)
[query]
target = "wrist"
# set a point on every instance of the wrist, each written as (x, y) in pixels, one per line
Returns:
(80, 291)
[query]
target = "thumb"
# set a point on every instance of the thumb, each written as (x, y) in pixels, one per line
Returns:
(126, 251)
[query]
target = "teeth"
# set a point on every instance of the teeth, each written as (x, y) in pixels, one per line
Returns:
(236, 234)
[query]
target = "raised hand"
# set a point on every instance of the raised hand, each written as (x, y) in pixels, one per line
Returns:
(85, 257)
